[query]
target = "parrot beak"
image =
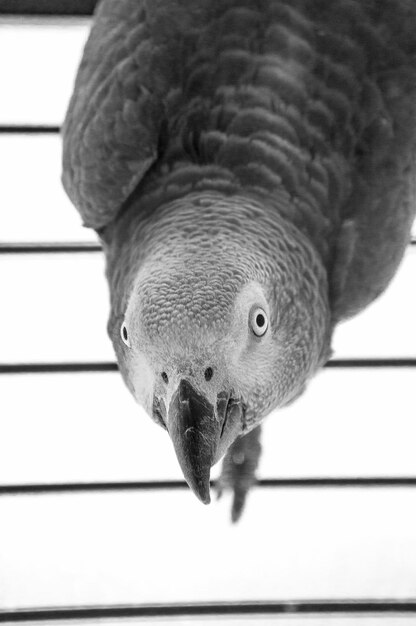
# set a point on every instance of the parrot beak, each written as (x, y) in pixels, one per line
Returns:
(195, 432)
(201, 433)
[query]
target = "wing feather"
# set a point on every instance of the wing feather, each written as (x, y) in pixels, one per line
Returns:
(111, 130)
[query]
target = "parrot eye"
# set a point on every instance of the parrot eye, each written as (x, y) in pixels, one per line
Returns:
(124, 335)
(258, 322)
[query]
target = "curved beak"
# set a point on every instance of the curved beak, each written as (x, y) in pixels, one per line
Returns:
(202, 433)
(195, 432)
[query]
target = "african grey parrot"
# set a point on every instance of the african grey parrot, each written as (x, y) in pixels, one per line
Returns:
(249, 166)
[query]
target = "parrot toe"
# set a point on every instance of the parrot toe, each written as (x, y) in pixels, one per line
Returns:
(238, 472)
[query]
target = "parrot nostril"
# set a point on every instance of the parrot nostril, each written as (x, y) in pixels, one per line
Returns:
(208, 373)
(165, 377)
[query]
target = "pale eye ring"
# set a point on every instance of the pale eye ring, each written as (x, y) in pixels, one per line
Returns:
(258, 321)
(124, 334)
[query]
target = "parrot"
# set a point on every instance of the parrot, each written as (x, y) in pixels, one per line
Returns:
(249, 168)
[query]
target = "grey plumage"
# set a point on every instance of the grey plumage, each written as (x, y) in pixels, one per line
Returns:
(234, 155)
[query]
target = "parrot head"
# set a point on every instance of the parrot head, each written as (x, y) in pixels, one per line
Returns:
(210, 341)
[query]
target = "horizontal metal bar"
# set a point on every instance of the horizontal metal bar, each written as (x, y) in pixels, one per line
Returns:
(29, 129)
(49, 247)
(110, 366)
(289, 607)
(47, 7)
(172, 485)
(44, 489)
(57, 368)
(372, 362)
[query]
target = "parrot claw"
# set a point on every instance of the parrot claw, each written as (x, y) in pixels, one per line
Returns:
(238, 471)
(239, 502)
(218, 489)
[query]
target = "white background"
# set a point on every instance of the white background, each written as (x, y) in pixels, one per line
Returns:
(139, 547)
